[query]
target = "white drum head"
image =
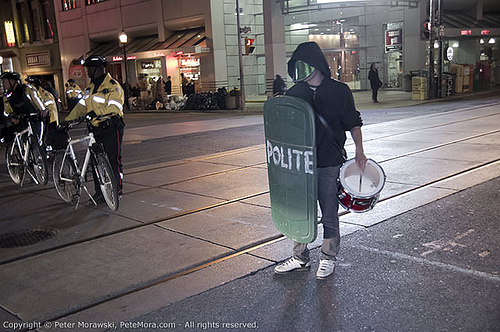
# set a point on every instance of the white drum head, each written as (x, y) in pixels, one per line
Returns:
(372, 179)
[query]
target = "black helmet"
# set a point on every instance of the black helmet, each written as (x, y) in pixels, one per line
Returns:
(11, 75)
(95, 61)
(34, 80)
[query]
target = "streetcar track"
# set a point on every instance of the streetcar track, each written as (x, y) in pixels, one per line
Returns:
(235, 253)
(250, 247)
(238, 199)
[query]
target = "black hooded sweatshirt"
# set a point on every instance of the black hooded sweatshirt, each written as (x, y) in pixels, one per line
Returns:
(331, 99)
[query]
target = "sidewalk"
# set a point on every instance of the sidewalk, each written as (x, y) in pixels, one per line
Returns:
(193, 241)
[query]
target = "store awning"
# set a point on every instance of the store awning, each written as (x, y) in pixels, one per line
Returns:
(462, 25)
(463, 21)
(8, 54)
(178, 40)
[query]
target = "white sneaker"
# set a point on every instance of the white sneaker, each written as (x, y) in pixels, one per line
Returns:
(326, 267)
(291, 264)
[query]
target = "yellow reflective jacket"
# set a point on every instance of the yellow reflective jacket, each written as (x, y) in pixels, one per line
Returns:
(49, 102)
(31, 95)
(108, 99)
(73, 91)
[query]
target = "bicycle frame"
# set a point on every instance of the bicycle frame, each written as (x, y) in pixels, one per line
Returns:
(70, 152)
(24, 146)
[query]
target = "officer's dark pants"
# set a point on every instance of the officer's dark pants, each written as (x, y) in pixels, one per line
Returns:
(329, 204)
(111, 137)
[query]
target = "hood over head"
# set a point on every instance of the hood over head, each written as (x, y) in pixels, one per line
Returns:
(310, 53)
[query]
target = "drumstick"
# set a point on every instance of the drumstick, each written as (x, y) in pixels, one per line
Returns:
(360, 180)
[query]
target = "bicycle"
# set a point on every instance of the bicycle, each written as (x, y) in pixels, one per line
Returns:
(69, 178)
(26, 153)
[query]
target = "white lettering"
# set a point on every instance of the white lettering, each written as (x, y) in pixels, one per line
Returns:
(283, 157)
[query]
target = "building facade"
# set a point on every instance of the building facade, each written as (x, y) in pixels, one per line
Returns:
(199, 39)
(29, 40)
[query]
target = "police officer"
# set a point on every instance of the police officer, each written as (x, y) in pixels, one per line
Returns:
(73, 93)
(105, 97)
(50, 104)
(20, 99)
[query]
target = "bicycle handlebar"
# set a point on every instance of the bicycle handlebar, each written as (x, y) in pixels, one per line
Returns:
(84, 119)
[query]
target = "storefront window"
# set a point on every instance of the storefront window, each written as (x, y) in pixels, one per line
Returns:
(92, 2)
(394, 55)
(68, 4)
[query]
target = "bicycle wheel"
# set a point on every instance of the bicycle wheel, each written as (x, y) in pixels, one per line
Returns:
(39, 162)
(107, 181)
(14, 161)
(65, 177)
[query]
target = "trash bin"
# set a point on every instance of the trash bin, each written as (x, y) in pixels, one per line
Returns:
(407, 83)
(233, 99)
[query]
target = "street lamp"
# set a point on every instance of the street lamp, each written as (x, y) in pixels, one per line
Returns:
(124, 40)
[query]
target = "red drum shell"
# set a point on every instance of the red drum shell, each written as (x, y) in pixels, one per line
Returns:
(362, 200)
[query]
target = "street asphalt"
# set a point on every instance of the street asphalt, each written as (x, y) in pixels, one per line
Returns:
(193, 246)
(433, 268)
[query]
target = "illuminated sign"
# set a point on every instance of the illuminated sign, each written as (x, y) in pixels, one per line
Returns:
(9, 31)
(466, 32)
(119, 58)
(190, 62)
(393, 40)
(485, 32)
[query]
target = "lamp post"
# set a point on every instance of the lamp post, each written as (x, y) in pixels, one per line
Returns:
(124, 40)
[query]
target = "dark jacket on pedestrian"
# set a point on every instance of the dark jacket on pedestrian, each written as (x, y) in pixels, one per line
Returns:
(332, 99)
(375, 82)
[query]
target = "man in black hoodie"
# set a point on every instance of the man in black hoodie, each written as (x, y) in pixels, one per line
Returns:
(335, 112)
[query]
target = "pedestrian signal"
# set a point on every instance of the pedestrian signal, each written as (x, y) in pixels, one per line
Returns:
(249, 48)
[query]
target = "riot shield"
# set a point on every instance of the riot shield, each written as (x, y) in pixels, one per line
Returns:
(291, 167)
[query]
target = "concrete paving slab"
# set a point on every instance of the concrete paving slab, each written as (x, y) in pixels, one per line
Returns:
(418, 171)
(478, 153)
(48, 285)
(261, 200)
(188, 127)
(157, 204)
(176, 173)
(387, 209)
(70, 224)
(248, 158)
(471, 178)
(235, 225)
(165, 293)
(230, 185)
(393, 188)
(396, 147)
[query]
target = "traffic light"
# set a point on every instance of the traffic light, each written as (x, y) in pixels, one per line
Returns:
(249, 48)
(425, 29)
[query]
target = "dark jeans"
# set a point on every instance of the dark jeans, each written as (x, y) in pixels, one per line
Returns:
(329, 204)
(374, 94)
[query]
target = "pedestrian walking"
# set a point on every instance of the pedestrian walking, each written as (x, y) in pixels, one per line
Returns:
(333, 105)
(104, 96)
(375, 82)
(184, 84)
(168, 85)
(279, 86)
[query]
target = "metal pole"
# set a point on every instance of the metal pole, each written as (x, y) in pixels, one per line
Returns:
(432, 24)
(240, 56)
(125, 63)
(440, 59)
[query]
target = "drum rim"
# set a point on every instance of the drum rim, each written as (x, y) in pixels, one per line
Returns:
(344, 185)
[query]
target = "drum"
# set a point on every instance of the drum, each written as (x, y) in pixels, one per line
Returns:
(359, 191)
